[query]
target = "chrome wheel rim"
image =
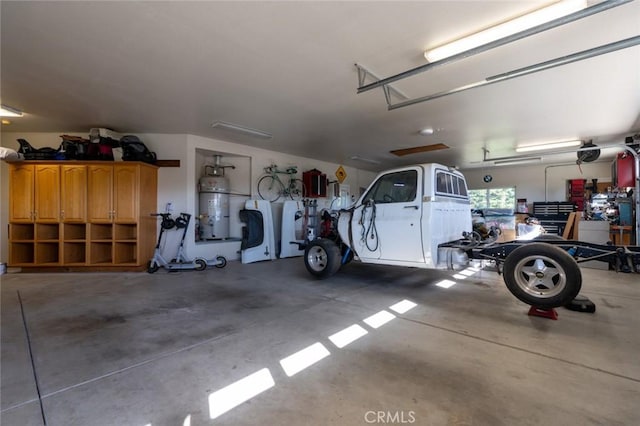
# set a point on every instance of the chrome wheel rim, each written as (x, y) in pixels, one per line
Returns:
(540, 276)
(317, 259)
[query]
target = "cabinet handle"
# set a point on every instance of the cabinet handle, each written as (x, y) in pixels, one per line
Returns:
(62, 214)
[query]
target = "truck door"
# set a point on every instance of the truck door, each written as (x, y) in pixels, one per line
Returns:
(389, 223)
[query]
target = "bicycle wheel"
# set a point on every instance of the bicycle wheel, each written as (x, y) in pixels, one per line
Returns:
(297, 190)
(269, 188)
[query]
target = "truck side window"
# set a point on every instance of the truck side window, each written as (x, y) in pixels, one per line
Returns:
(441, 184)
(398, 187)
(450, 185)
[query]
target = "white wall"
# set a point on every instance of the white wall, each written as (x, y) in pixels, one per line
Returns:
(178, 185)
(530, 180)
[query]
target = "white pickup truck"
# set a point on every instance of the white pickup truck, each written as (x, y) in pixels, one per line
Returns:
(420, 216)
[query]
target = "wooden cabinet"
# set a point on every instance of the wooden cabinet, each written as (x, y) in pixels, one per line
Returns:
(47, 193)
(35, 193)
(82, 215)
(21, 202)
(100, 192)
(73, 200)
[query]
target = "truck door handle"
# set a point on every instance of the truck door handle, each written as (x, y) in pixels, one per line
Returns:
(411, 207)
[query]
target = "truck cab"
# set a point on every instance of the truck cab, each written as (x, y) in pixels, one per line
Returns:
(405, 214)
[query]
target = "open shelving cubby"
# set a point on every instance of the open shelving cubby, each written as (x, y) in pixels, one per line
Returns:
(74, 232)
(101, 232)
(47, 232)
(125, 232)
(125, 253)
(47, 253)
(74, 253)
(101, 253)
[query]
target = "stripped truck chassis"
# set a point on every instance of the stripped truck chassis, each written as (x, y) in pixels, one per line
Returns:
(415, 215)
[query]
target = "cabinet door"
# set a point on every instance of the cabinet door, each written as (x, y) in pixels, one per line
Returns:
(125, 192)
(100, 193)
(47, 193)
(74, 193)
(21, 193)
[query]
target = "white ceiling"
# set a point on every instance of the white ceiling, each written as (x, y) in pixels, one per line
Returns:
(288, 68)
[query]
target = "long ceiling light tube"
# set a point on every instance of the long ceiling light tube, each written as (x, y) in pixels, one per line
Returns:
(505, 29)
(520, 72)
(592, 10)
(7, 111)
(548, 145)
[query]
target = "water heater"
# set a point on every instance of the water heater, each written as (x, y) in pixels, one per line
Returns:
(214, 202)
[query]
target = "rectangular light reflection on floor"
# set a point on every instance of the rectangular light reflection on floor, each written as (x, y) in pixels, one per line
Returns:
(236, 393)
(302, 359)
(446, 283)
(468, 272)
(187, 421)
(403, 306)
(350, 334)
(459, 277)
(379, 319)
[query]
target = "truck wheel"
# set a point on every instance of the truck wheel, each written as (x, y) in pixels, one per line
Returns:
(322, 258)
(542, 275)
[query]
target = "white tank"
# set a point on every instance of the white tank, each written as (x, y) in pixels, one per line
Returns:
(214, 208)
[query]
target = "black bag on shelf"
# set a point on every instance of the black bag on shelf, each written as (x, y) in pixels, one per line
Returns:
(31, 153)
(133, 149)
(73, 148)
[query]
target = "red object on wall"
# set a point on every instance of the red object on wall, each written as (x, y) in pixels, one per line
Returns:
(315, 183)
(576, 192)
(624, 173)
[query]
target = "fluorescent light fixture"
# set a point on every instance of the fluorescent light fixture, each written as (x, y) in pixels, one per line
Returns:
(7, 111)
(403, 306)
(514, 161)
(364, 160)
(223, 125)
(505, 29)
(236, 393)
(350, 334)
(379, 319)
(305, 358)
(548, 145)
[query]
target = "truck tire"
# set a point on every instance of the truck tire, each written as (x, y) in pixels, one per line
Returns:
(322, 258)
(548, 237)
(542, 275)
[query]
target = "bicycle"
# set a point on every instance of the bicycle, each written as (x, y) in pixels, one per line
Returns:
(271, 187)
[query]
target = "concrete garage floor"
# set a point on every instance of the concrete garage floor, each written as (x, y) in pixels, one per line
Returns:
(139, 349)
